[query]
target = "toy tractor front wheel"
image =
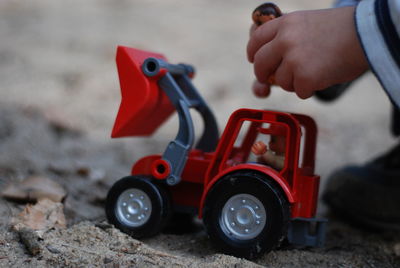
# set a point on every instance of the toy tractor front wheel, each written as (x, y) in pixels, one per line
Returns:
(246, 214)
(138, 206)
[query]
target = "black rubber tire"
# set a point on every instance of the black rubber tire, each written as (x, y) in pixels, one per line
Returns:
(270, 195)
(160, 201)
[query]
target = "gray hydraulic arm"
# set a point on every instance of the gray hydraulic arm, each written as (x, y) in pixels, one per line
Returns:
(175, 82)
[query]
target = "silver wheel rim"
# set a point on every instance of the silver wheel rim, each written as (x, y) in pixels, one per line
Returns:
(243, 217)
(133, 207)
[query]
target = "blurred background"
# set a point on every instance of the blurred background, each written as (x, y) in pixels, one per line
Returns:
(58, 57)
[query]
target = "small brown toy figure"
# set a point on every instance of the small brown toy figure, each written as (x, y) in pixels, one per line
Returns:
(265, 12)
(275, 156)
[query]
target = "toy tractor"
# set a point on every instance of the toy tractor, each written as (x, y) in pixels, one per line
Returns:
(247, 207)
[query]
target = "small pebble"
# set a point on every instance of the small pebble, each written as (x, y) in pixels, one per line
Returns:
(52, 249)
(107, 260)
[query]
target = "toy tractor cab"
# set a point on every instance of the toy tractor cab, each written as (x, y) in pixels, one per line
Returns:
(247, 206)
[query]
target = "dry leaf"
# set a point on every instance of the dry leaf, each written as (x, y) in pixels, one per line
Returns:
(33, 189)
(41, 217)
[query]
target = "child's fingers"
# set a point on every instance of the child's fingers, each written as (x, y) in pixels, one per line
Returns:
(303, 88)
(266, 61)
(304, 94)
(261, 90)
(252, 29)
(260, 36)
(284, 76)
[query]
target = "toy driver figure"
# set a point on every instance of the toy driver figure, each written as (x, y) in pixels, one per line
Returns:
(275, 155)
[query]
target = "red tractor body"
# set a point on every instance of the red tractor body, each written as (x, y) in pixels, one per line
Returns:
(218, 179)
(202, 170)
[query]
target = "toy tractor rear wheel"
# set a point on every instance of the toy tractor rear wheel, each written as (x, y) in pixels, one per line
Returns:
(246, 214)
(138, 206)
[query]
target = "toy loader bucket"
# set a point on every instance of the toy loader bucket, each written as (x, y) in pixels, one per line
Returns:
(144, 106)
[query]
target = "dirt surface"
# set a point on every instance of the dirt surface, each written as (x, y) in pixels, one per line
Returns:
(59, 94)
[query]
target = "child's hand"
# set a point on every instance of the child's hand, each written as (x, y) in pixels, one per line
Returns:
(261, 90)
(259, 148)
(307, 50)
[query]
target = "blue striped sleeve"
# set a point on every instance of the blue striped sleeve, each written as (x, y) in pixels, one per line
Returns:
(345, 3)
(378, 28)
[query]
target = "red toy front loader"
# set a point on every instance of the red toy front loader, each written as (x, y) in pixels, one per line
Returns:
(247, 207)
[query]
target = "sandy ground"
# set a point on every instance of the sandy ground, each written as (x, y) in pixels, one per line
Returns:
(57, 66)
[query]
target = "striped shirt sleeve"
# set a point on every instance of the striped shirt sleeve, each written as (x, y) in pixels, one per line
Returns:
(345, 3)
(378, 28)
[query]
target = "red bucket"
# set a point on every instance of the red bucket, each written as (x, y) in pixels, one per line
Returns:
(144, 105)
